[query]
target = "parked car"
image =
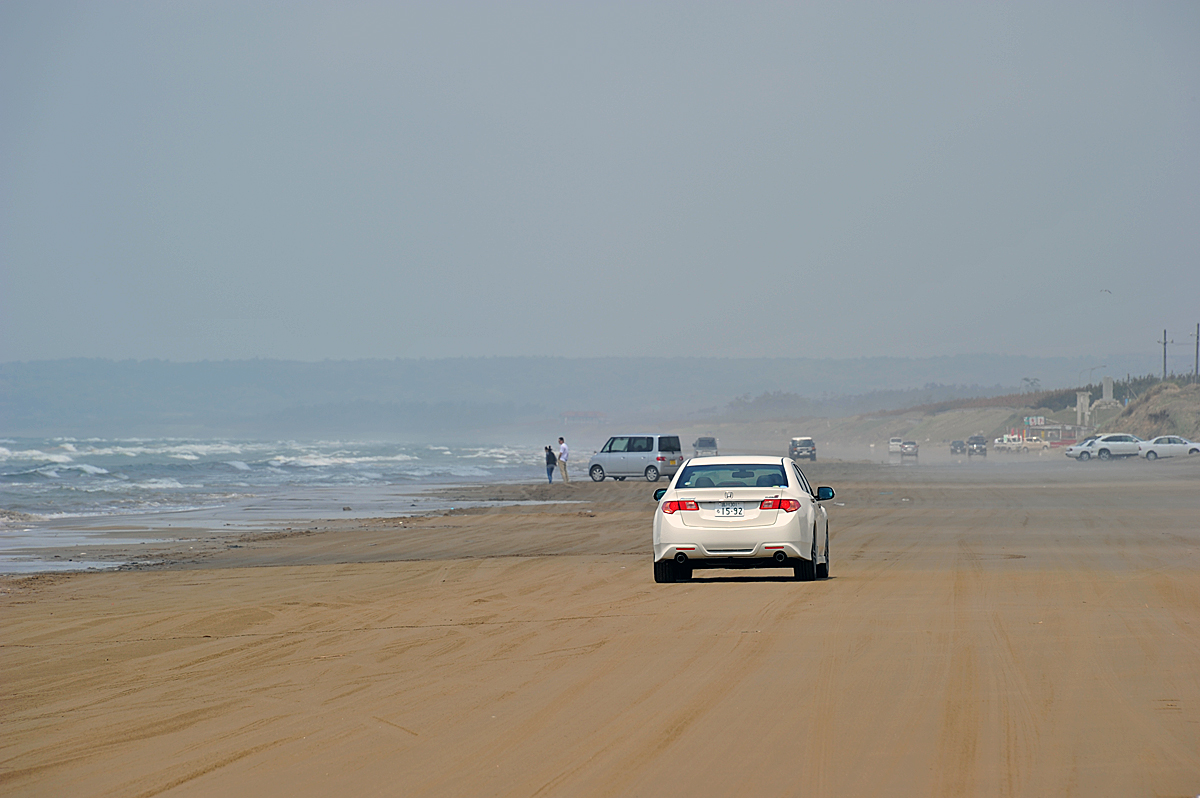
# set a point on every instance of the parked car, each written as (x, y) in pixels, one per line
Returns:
(1015, 443)
(803, 447)
(958, 447)
(705, 447)
(908, 449)
(741, 512)
(649, 456)
(977, 444)
(894, 445)
(1167, 446)
(1105, 447)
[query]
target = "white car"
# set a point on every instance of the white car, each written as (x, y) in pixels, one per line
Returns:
(894, 445)
(1167, 446)
(740, 512)
(1105, 447)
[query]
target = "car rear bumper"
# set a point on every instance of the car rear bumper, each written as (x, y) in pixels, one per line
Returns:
(759, 555)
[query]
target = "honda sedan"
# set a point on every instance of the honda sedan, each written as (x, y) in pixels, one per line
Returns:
(741, 512)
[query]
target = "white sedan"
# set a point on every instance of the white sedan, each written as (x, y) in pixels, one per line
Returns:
(1105, 447)
(1167, 446)
(740, 512)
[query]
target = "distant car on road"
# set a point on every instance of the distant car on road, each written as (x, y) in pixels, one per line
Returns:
(894, 445)
(1167, 446)
(803, 447)
(908, 449)
(649, 456)
(1015, 443)
(958, 447)
(977, 444)
(1105, 447)
(705, 447)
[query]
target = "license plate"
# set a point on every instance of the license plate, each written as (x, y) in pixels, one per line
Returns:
(729, 510)
(672, 462)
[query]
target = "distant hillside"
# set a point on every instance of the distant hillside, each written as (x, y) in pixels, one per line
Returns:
(1165, 409)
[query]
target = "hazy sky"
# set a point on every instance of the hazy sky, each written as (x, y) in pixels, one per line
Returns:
(190, 180)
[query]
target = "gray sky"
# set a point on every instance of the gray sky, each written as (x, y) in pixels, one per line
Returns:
(191, 180)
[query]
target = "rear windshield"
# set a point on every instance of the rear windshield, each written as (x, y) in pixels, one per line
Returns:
(732, 476)
(669, 443)
(707, 443)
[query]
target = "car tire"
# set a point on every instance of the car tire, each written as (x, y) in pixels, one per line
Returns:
(597, 473)
(806, 570)
(1151, 455)
(813, 458)
(1193, 451)
(683, 573)
(1084, 457)
(1104, 454)
(1024, 450)
(823, 568)
(664, 571)
(651, 474)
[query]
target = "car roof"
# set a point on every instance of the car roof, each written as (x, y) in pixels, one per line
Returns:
(641, 435)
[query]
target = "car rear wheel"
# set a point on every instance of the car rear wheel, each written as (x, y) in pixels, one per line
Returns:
(1193, 451)
(823, 568)
(806, 570)
(651, 474)
(1024, 450)
(1151, 455)
(664, 571)
(597, 473)
(1084, 456)
(1104, 454)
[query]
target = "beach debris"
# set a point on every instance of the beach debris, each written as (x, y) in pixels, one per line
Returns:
(347, 509)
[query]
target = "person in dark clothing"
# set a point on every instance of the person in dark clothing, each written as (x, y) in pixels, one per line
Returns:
(551, 462)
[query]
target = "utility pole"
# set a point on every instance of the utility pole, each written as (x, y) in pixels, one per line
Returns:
(1164, 342)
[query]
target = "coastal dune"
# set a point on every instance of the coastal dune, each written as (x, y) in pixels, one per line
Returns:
(986, 631)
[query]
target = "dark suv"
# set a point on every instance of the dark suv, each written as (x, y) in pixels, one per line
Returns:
(976, 444)
(803, 447)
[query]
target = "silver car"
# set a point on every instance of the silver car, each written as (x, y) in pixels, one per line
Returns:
(649, 456)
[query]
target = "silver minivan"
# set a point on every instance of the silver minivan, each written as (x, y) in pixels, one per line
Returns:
(649, 456)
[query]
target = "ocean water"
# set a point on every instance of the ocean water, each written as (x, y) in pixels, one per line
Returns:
(53, 491)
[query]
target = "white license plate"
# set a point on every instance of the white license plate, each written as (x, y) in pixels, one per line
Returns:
(729, 510)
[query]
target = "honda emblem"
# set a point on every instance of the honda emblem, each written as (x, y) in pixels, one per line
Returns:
(728, 494)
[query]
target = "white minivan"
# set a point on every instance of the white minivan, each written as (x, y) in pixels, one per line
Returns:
(649, 456)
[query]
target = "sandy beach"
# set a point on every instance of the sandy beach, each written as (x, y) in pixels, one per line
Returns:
(995, 629)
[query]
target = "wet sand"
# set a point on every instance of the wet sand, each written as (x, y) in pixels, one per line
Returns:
(987, 630)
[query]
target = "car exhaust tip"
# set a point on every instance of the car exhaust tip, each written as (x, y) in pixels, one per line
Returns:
(680, 557)
(780, 557)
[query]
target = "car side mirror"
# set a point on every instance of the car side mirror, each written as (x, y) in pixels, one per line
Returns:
(824, 493)
(658, 494)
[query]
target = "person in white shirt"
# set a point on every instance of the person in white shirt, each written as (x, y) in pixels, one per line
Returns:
(563, 452)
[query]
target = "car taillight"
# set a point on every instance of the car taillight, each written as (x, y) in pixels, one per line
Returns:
(675, 506)
(661, 459)
(787, 505)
